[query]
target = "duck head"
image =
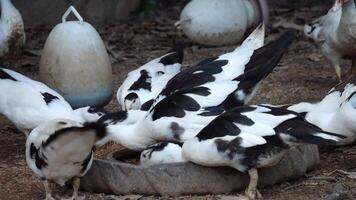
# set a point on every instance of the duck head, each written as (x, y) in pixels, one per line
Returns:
(90, 113)
(132, 102)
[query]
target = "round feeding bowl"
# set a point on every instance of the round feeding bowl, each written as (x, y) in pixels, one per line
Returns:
(112, 176)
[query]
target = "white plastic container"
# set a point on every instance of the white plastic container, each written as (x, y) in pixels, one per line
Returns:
(75, 62)
(221, 22)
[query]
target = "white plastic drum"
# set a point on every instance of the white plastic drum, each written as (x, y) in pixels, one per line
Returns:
(221, 22)
(74, 62)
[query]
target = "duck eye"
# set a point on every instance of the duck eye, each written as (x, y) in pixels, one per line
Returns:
(160, 73)
(352, 99)
(91, 110)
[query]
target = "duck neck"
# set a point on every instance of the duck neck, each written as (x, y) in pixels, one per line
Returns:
(9, 14)
(342, 124)
(8, 11)
(78, 114)
(349, 10)
(347, 23)
(322, 113)
(132, 136)
(324, 120)
(329, 103)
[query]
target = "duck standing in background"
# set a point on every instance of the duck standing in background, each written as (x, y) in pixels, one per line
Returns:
(28, 103)
(12, 34)
(195, 96)
(61, 150)
(143, 84)
(251, 137)
(336, 31)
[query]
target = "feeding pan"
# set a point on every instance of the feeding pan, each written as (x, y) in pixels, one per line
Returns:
(115, 176)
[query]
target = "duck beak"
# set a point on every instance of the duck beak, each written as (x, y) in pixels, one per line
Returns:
(128, 105)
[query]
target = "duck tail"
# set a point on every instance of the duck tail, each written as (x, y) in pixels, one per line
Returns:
(297, 130)
(264, 60)
(256, 38)
(174, 55)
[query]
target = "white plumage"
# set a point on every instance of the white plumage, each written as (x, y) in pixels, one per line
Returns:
(12, 34)
(28, 103)
(336, 112)
(336, 31)
(146, 82)
(60, 150)
(161, 153)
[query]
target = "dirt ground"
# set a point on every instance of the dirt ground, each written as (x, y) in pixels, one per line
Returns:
(302, 75)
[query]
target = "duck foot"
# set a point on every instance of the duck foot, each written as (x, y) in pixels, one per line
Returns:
(49, 197)
(74, 198)
(48, 190)
(76, 183)
(251, 193)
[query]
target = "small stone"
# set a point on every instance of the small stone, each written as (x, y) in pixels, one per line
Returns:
(314, 57)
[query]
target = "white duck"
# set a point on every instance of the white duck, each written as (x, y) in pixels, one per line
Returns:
(337, 33)
(143, 84)
(12, 34)
(60, 150)
(251, 137)
(195, 96)
(336, 112)
(28, 103)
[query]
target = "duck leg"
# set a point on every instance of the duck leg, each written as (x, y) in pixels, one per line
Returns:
(251, 190)
(48, 190)
(76, 183)
(338, 72)
(334, 58)
(353, 67)
(26, 132)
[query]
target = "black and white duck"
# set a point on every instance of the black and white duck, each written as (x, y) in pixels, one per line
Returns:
(61, 150)
(143, 84)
